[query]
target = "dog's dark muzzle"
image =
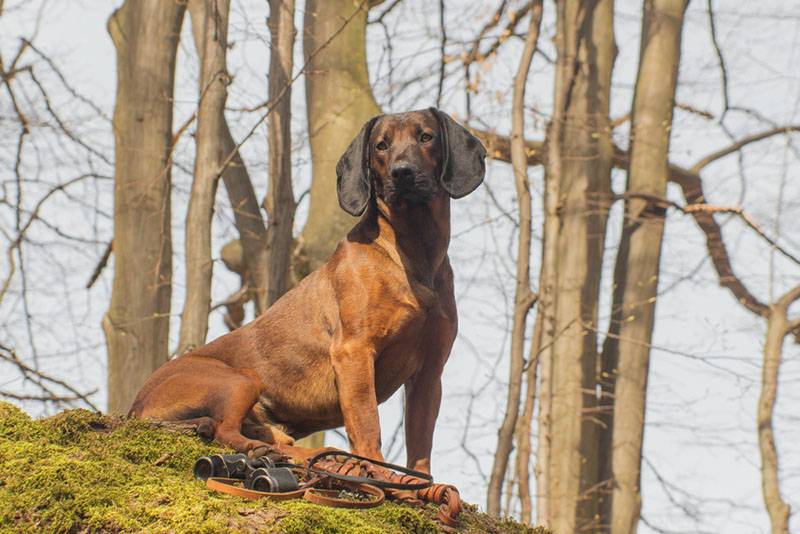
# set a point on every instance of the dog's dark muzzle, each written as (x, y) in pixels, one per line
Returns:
(409, 185)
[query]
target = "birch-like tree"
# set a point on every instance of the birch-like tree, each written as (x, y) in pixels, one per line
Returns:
(145, 34)
(626, 351)
(586, 52)
(210, 23)
(524, 296)
(279, 203)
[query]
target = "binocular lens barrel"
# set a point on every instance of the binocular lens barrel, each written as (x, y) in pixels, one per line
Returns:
(272, 479)
(208, 466)
(221, 465)
(259, 474)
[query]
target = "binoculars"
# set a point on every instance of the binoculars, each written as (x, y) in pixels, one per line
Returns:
(260, 474)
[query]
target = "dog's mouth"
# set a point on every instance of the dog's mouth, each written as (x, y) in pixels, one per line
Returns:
(421, 190)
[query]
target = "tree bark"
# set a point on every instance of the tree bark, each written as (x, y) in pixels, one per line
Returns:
(524, 426)
(213, 15)
(545, 356)
(145, 34)
(547, 278)
(523, 296)
(626, 350)
(339, 101)
(585, 155)
(279, 203)
(249, 223)
(251, 260)
(778, 327)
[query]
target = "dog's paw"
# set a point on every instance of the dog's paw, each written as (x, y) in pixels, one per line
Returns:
(259, 451)
(280, 437)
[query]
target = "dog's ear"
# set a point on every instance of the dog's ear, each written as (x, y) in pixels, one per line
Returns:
(463, 166)
(353, 183)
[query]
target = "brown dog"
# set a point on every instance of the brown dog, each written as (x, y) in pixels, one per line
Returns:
(379, 314)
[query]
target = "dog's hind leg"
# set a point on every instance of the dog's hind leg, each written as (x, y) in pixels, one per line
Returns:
(205, 427)
(205, 392)
(236, 398)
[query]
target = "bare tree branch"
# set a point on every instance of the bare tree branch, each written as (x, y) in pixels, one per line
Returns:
(690, 182)
(40, 379)
(738, 145)
(100, 265)
(699, 208)
(523, 295)
(722, 66)
(442, 56)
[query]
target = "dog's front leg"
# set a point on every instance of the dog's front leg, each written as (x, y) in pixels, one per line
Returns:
(423, 397)
(354, 368)
(424, 390)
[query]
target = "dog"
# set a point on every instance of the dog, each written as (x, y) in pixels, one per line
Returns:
(380, 314)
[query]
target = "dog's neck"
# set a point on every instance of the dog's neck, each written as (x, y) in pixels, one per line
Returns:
(415, 235)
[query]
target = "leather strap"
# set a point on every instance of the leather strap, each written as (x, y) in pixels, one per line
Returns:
(425, 481)
(331, 497)
(233, 486)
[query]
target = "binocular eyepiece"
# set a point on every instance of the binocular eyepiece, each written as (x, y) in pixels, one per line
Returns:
(259, 474)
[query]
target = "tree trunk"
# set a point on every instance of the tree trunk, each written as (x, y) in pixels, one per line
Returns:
(778, 326)
(626, 351)
(213, 16)
(249, 223)
(145, 34)
(585, 158)
(279, 202)
(544, 436)
(547, 282)
(523, 296)
(547, 276)
(251, 260)
(339, 101)
(524, 426)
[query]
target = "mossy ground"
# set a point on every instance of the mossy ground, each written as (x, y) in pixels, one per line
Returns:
(83, 472)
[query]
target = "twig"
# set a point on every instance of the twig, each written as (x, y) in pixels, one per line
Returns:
(237, 297)
(442, 57)
(379, 18)
(24, 227)
(738, 145)
(101, 265)
(38, 377)
(722, 67)
(711, 209)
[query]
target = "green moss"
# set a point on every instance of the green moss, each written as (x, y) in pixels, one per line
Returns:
(15, 424)
(314, 519)
(83, 472)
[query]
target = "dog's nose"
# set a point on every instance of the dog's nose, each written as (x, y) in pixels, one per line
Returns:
(402, 171)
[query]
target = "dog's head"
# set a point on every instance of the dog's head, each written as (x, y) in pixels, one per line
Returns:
(409, 158)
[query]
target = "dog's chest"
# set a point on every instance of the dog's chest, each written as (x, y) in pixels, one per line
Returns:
(409, 345)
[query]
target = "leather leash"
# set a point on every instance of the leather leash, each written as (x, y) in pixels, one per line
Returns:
(418, 482)
(336, 470)
(235, 486)
(327, 497)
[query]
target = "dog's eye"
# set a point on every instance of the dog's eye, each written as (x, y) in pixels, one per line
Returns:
(382, 145)
(425, 137)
